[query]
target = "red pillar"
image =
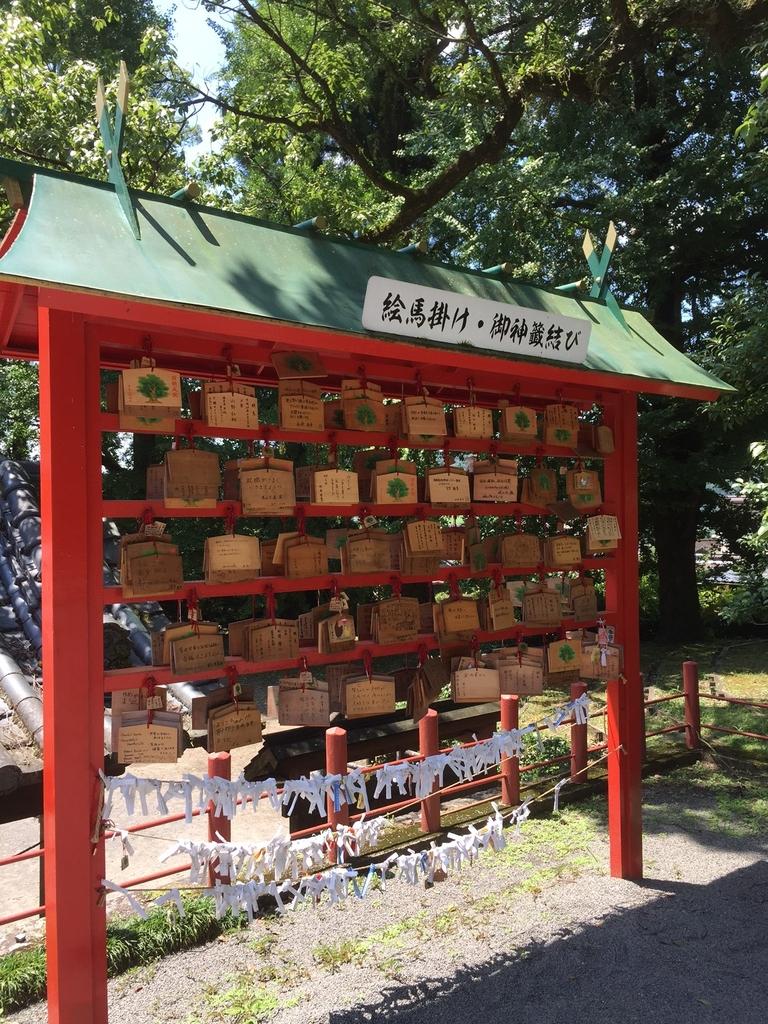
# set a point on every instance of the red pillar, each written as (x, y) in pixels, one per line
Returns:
(219, 825)
(73, 692)
(336, 764)
(578, 741)
(622, 600)
(510, 766)
(429, 743)
(692, 705)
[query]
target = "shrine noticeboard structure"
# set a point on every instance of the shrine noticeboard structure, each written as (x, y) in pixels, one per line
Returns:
(83, 290)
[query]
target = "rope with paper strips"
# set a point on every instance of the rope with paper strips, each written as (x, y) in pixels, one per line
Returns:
(466, 763)
(411, 867)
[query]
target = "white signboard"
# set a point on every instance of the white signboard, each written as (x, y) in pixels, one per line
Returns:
(398, 307)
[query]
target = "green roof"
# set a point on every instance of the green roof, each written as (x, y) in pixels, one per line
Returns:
(76, 237)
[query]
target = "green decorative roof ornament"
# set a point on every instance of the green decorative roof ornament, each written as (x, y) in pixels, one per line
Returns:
(599, 270)
(112, 137)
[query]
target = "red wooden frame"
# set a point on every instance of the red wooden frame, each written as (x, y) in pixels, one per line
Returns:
(80, 332)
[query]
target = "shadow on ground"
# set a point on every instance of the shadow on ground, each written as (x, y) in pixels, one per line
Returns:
(695, 953)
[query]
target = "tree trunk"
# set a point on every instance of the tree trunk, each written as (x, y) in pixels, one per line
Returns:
(143, 458)
(675, 527)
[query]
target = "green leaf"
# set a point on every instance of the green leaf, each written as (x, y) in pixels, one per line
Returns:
(152, 387)
(397, 489)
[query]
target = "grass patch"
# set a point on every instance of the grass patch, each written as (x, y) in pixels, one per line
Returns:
(22, 978)
(131, 942)
(729, 802)
(736, 669)
(246, 1002)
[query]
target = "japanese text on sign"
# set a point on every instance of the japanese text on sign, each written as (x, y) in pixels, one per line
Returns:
(398, 307)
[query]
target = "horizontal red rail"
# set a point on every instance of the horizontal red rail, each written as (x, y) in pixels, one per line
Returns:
(110, 423)
(544, 764)
(153, 877)
(662, 732)
(22, 915)
(734, 732)
(133, 508)
(29, 855)
(130, 678)
(662, 700)
(286, 584)
(735, 700)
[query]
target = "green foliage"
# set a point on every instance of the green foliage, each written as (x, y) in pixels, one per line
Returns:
(22, 978)
(152, 387)
(397, 489)
(299, 364)
(19, 422)
(543, 749)
(566, 653)
(130, 941)
(364, 414)
(50, 57)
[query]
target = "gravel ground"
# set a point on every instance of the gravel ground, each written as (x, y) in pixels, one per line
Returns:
(538, 933)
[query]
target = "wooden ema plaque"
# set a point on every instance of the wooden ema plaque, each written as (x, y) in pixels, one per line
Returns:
(564, 656)
(207, 699)
(601, 662)
(149, 395)
(541, 608)
(192, 478)
(603, 534)
(136, 700)
(500, 610)
(562, 550)
(364, 413)
(448, 488)
(396, 620)
(471, 685)
(561, 426)
(231, 558)
(423, 537)
(583, 488)
(305, 556)
(424, 418)
(363, 696)
(269, 640)
(180, 631)
(147, 744)
(303, 704)
(519, 423)
(197, 653)
(297, 365)
(367, 551)
(336, 633)
(494, 481)
(362, 405)
(155, 482)
(454, 544)
(268, 489)
(236, 636)
(583, 600)
(228, 403)
(149, 565)
(301, 406)
(520, 549)
(234, 725)
(540, 488)
(457, 618)
(483, 554)
(395, 483)
(472, 421)
(334, 487)
(523, 676)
